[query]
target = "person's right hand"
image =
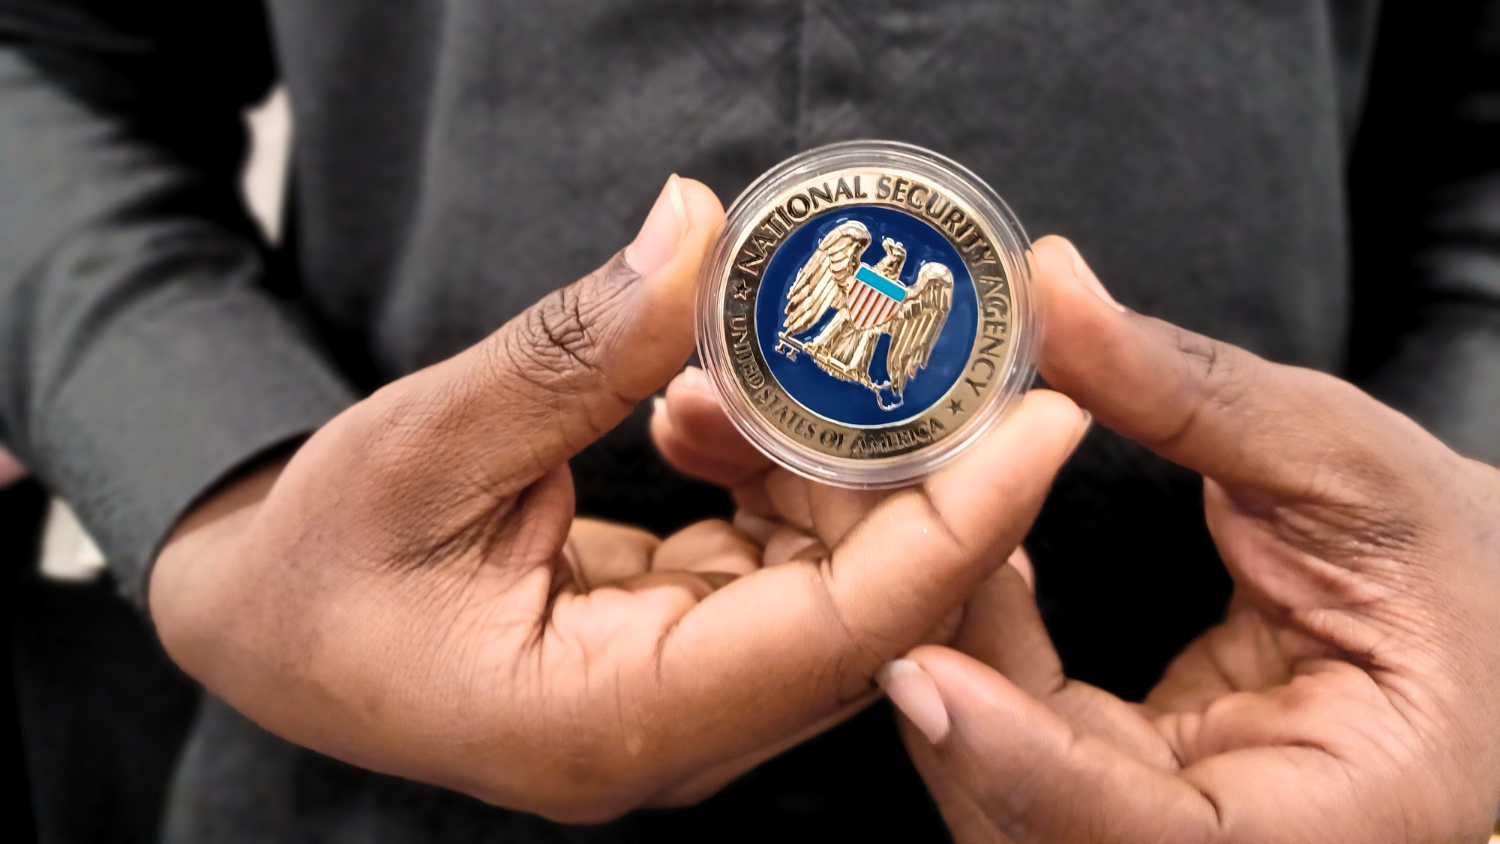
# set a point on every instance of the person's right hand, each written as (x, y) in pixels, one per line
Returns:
(411, 592)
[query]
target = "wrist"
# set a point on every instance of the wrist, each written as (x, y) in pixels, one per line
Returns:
(193, 574)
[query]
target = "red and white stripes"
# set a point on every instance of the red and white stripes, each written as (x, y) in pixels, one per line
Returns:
(869, 307)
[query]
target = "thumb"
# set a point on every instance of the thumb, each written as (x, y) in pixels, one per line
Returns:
(1213, 407)
(569, 368)
(1032, 774)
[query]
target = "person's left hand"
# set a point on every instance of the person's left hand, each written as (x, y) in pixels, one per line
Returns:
(1350, 693)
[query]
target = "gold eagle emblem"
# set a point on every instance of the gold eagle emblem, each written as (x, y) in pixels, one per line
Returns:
(869, 301)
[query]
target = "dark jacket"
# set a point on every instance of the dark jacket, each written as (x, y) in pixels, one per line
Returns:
(456, 160)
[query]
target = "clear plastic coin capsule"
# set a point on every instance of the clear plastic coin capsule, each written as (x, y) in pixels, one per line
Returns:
(867, 313)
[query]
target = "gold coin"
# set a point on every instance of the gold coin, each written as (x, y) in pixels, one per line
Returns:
(866, 314)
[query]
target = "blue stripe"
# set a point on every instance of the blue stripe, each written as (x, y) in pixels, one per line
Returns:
(881, 283)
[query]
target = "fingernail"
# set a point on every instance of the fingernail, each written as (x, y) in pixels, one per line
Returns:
(658, 404)
(913, 692)
(661, 235)
(1084, 423)
(1082, 272)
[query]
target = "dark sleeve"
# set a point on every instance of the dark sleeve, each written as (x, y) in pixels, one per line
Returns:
(1425, 200)
(142, 358)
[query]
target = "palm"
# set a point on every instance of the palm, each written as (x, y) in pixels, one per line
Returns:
(592, 617)
(1240, 654)
(1287, 703)
(1259, 648)
(577, 614)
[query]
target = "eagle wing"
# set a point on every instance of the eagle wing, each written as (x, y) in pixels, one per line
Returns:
(915, 326)
(825, 279)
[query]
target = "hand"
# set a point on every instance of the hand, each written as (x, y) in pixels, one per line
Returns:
(1350, 694)
(410, 592)
(793, 518)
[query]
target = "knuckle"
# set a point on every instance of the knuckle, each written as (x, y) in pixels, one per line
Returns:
(560, 344)
(558, 332)
(1220, 369)
(857, 653)
(1213, 376)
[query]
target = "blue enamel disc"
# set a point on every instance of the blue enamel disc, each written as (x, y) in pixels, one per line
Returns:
(881, 280)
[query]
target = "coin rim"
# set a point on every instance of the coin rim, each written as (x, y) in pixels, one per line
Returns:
(1015, 368)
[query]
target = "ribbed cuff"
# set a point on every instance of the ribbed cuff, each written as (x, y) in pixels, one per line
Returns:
(167, 403)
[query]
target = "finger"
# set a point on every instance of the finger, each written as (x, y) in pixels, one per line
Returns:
(698, 416)
(712, 545)
(828, 512)
(1034, 775)
(672, 592)
(759, 528)
(827, 626)
(566, 370)
(753, 497)
(788, 545)
(1204, 404)
(966, 822)
(601, 553)
(790, 499)
(836, 510)
(678, 451)
(1003, 628)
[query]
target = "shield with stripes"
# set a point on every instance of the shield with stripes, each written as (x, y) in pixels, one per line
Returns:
(874, 298)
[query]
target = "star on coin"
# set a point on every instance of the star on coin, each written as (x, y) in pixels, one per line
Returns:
(955, 407)
(742, 290)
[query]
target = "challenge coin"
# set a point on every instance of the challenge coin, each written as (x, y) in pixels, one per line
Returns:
(867, 313)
